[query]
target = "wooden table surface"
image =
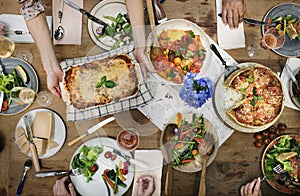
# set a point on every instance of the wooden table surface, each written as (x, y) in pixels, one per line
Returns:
(237, 161)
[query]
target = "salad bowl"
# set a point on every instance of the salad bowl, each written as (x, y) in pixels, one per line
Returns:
(282, 150)
(190, 160)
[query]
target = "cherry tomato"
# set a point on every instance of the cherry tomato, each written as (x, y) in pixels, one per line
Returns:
(178, 79)
(258, 144)
(258, 136)
(282, 127)
(272, 129)
(4, 106)
(272, 136)
(126, 164)
(161, 63)
(265, 133)
(124, 171)
(94, 168)
(266, 141)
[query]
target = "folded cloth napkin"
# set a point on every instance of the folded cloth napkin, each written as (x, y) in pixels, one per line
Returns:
(294, 64)
(227, 38)
(16, 23)
(71, 22)
(154, 159)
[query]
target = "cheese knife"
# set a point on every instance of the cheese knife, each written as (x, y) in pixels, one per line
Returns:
(29, 137)
(92, 130)
(130, 159)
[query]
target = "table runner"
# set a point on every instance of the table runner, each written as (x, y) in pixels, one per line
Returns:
(165, 98)
(141, 98)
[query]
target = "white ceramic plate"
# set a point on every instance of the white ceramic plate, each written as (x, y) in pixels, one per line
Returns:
(222, 103)
(105, 8)
(96, 186)
(58, 134)
(183, 25)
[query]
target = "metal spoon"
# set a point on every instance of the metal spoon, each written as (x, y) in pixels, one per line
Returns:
(27, 166)
(59, 31)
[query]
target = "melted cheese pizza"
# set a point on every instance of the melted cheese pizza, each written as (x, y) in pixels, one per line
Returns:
(81, 82)
(263, 97)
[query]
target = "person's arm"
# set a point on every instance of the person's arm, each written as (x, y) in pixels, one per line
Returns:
(233, 12)
(136, 15)
(41, 36)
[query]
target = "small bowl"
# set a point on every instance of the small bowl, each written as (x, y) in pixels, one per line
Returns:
(295, 100)
(128, 139)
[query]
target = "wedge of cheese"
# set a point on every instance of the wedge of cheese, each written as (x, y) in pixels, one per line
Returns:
(41, 146)
(42, 125)
(51, 144)
(23, 144)
(19, 131)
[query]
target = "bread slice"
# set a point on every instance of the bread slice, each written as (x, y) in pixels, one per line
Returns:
(23, 144)
(19, 131)
(51, 144)
(42, 125)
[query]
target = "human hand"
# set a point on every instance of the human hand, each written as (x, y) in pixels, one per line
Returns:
(2, 29)
(141, 57)
(145, 185)
(251, 188)
(233, 12)
(59, 188)
(53, 79)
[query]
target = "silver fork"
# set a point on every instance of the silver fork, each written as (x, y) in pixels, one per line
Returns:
(72, 172)
(277, 170)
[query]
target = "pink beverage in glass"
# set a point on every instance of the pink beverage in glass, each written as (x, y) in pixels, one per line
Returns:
(273, 39)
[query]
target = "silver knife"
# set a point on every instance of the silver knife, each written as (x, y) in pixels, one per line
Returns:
(90, 16)
(130, 159)
(92, 130)
(72, 172)
(291, 75)
(16, 32)
(253, 22)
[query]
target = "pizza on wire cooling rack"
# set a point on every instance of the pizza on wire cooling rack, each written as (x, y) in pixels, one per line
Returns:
(100, 82)
(262, 96)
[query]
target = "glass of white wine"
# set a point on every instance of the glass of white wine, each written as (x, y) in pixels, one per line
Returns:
(23, 95)
(7, 47)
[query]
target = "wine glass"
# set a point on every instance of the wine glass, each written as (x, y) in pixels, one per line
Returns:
(7, 47)
(44, 98)
(273, 39)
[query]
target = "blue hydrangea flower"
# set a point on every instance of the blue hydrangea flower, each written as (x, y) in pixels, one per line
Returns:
(195, 92)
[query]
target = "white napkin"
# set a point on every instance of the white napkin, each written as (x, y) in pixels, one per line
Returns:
(227, 38)
(71, 22)
(154, 159)
(294, 64)
(17, 22)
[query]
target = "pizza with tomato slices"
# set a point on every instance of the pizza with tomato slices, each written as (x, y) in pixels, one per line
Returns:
(100, 82)
(263, 98)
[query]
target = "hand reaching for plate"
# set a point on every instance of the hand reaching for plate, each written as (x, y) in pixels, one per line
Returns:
(59, 188)
(251, 188)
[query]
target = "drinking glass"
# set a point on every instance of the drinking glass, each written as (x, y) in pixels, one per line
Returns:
(23, 95)
(44, 98)
(7, 47)
(273, 39)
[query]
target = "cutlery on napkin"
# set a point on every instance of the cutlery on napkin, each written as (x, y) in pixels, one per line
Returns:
(71, 21)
